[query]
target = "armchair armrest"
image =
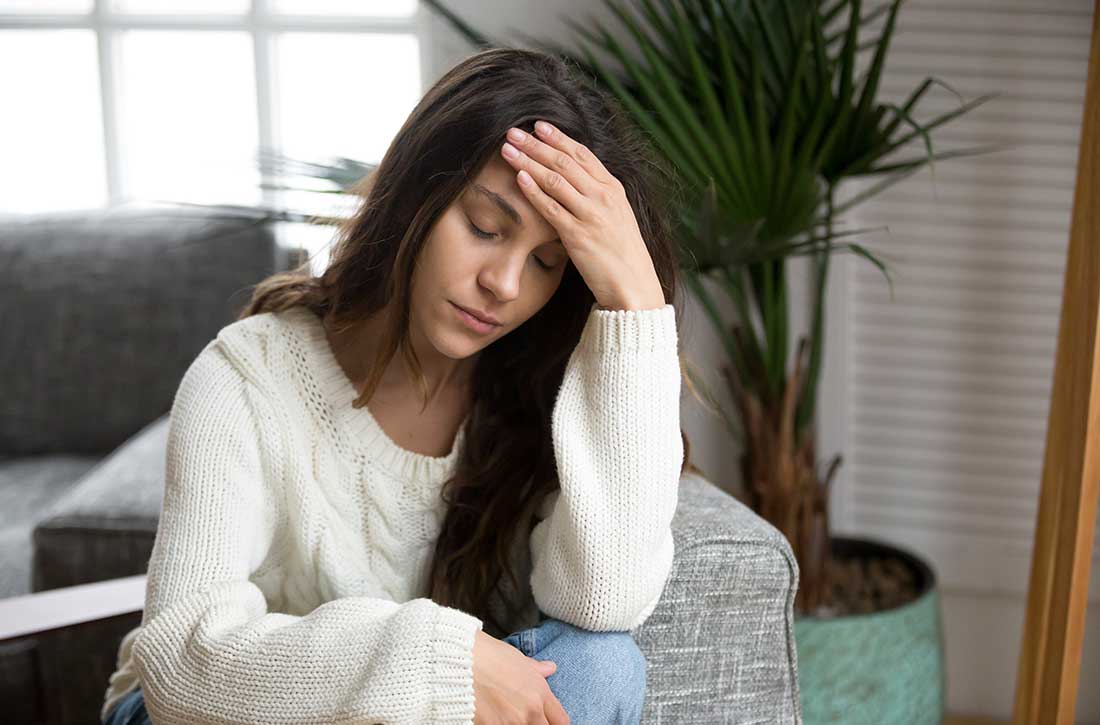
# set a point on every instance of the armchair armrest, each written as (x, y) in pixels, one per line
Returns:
(69, 638)
(720, 644)
(57, 609)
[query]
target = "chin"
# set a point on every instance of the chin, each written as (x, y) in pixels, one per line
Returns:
(458, 347)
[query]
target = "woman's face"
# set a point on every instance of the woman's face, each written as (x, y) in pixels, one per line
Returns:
(508, 275)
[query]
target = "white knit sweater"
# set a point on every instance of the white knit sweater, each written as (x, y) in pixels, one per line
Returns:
(288, 578)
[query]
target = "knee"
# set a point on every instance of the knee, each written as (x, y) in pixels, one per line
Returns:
(613, 659)
(619, 652)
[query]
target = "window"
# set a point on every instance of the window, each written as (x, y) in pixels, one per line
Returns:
(148, 101)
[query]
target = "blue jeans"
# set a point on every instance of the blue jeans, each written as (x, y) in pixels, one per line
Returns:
(130, 710)
(600, 679)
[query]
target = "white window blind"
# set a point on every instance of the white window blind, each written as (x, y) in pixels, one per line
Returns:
(947, 385)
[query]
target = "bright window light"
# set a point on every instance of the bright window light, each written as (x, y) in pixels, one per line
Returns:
(343, 95)
(52, 149)
(188, 129)
(45, 6)
(188, 7)
(373, 8)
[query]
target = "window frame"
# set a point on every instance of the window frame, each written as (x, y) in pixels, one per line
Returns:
(262, 24)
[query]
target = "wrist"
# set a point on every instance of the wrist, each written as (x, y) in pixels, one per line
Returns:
(648, 300)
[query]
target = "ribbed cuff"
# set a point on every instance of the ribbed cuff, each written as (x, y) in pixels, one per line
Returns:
(452, 680)
(630, 330)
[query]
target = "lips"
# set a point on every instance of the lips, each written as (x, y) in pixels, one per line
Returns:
(477, 316)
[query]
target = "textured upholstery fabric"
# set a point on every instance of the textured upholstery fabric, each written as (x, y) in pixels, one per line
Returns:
(102, 312)
(720, 645)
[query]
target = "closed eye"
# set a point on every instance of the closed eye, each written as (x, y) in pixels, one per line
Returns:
(481, 233)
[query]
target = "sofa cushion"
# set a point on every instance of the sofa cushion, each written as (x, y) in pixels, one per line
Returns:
(104, 527)
(28, 486)
(103, 311)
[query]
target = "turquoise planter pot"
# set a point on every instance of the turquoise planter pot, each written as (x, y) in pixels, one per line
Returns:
(883, 668)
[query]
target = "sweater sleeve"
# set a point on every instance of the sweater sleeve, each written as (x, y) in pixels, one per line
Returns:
(209, 651)
(601, 556)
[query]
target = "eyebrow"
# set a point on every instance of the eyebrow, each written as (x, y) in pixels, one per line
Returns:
(501, 202)
(504, 206)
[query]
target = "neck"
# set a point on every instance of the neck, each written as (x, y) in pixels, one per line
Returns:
(354, 350)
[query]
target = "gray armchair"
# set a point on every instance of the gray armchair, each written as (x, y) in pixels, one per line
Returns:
(103, 313)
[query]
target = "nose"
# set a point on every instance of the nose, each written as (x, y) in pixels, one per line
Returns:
(501, 275)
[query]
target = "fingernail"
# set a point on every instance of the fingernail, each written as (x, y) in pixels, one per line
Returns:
(542, 127)
(510, 151)
(516, 135)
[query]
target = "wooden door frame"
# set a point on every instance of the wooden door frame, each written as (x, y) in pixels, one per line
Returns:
(1054, 626)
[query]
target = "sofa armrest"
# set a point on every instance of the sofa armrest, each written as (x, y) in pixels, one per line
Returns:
(720, 644)
(105, 526)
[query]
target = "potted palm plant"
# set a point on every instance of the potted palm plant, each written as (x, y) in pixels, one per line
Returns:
(759, 112)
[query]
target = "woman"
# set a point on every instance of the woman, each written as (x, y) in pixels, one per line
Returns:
(509, 318)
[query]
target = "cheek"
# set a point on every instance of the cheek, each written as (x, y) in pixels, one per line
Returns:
(446, 254)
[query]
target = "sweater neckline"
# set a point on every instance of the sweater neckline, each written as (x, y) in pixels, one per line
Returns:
(363, 430)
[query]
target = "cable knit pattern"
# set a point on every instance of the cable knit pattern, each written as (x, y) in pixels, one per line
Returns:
(288, 578)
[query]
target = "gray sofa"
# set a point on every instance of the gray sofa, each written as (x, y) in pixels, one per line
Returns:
(102, 313)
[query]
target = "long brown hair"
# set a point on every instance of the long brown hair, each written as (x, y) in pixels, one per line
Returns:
(506, 467)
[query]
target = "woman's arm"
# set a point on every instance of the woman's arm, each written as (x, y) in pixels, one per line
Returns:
(601, 558)
(208, 649)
